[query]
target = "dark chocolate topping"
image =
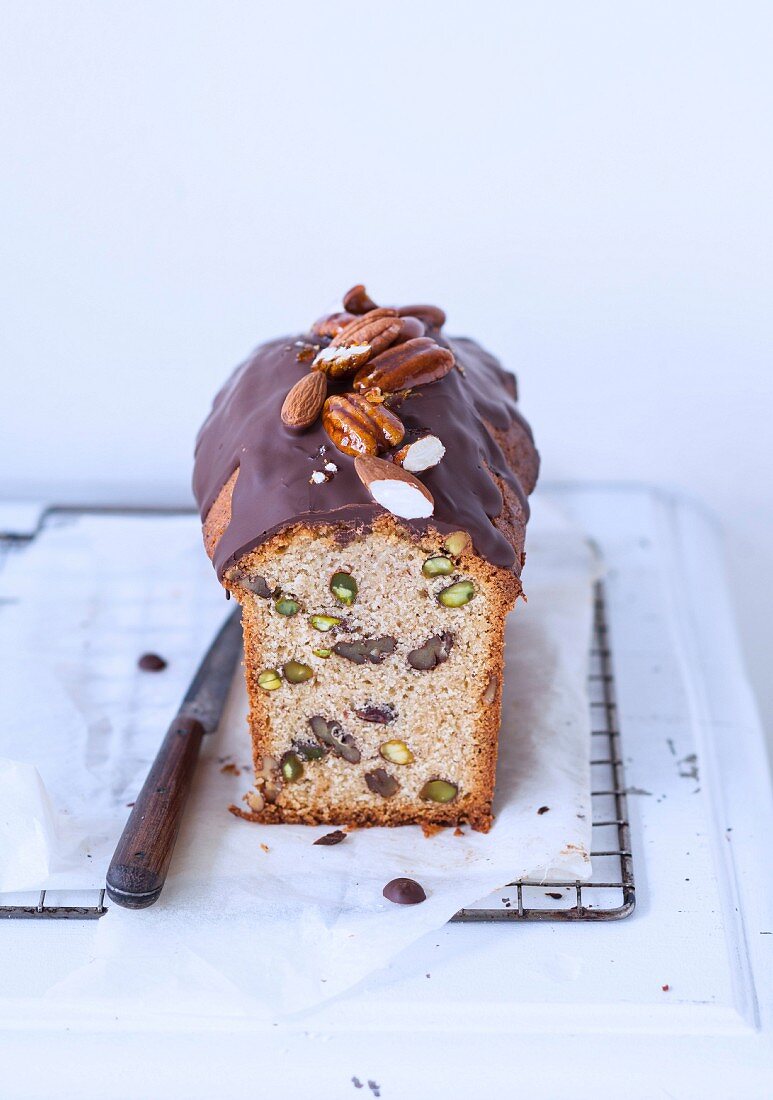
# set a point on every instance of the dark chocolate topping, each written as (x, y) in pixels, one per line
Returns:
(274, 487)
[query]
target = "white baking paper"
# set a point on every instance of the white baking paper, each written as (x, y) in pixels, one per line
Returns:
(278, 921)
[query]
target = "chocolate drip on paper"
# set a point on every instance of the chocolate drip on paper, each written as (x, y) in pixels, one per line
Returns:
(275, 464)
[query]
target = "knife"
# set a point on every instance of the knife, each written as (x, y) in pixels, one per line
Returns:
(137, 871)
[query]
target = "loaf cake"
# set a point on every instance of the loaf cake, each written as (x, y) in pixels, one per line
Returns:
(364, 495)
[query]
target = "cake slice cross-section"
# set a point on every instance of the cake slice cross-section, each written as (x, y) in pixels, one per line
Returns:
(364, 496)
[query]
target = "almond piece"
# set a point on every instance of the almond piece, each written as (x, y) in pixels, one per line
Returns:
(393, 488)
(422, 454)
(304, 402)
(414, 363)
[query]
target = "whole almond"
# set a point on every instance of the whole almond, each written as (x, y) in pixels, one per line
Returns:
(357, 300)
(393, 488)
(304, 402)
(357, 427)
(414, 363)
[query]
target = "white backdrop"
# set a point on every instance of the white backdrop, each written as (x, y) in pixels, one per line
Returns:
(585, 187)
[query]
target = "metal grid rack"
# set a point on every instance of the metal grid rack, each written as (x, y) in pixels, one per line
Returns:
(612, 888)
(609, 895)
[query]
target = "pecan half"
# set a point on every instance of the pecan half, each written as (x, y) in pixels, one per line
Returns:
(361, 340)
(331, 736)
(372, 650)
(414, 363)
(412, 328)
(433, 653)
(358, 301)
(331, 324)
(430, 315)
(381, 782)
(358, 427)
(383, 713)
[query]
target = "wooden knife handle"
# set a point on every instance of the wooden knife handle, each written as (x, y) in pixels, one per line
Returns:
(137, 871)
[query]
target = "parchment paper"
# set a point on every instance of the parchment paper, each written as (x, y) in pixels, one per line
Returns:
(283, 923)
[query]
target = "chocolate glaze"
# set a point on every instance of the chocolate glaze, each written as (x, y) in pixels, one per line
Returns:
(275, 464)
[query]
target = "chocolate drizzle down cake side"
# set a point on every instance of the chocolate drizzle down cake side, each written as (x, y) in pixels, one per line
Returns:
(364, 496)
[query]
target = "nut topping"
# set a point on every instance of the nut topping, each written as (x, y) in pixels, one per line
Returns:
(327, 622)
(362, 339)
(414, 363)
(269, 679)
(490, 694)
(251, 581)
(307, 751)
(422, 454)
(304, 402)
(434, 652)
(412, 328)
(360, 427)
(331, 324)
(383, 713)
(438, 790)
(372, 650)
(456, 595)
(396, 752)
(331, 838)
(344, 588)
(286, 605)
(296, 673)
(393, 488)
(458, 543)
(291, 767)
(381, 782)
(433, 316)
(358, 301)
(331, 736)
(437, 566)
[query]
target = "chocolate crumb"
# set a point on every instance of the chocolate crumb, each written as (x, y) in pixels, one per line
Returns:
(550, 894)
(404, 891)
(665, 988)
(151, 662)
(129, 804)
(331, 838)
(543, 809)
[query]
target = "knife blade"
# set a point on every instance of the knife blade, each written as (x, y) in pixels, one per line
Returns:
(138, 869)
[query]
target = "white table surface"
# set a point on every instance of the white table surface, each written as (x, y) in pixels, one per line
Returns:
(555, 1009)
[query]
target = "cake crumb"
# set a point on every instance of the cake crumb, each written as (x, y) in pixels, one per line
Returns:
(265, 847)
(230, 769)
(431, 830)
(459, 832)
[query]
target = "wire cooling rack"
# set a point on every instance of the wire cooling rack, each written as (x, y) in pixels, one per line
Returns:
(609, 895)
(611, 892)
